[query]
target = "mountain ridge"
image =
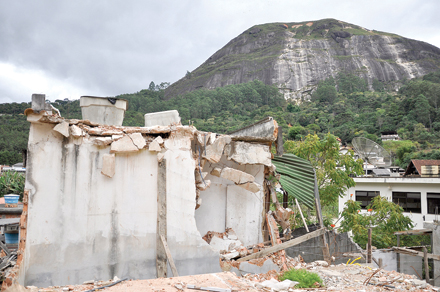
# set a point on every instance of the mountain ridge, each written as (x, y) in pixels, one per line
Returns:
(297, 56)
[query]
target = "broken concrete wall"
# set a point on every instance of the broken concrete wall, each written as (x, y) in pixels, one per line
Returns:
(228, 205)
(311, 250)
(85, 225)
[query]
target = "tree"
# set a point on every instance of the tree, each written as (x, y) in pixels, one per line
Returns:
(152, 86)
(383, 216)
(333, 169)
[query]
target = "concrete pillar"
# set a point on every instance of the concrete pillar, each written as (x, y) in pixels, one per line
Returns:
(38, 102)
(435, 244)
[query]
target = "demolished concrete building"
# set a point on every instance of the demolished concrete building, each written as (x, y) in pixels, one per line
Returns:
(98, 197)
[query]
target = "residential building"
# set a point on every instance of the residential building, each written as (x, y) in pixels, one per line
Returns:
(418, 191)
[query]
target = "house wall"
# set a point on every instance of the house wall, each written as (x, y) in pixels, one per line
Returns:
(83, 225)
(230, 206)
(386, 187)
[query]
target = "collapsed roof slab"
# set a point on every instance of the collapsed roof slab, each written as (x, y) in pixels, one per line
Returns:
(265, 130)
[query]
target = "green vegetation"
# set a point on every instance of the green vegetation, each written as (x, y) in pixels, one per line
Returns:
(12, 182)
(342, 106)
(305, 278)
(384, 217)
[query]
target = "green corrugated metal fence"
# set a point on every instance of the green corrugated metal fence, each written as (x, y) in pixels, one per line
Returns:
(297, 178)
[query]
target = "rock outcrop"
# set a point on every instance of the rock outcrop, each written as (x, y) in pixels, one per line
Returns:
(296, 56)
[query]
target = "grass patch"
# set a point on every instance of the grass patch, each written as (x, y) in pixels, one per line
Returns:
(305, 278)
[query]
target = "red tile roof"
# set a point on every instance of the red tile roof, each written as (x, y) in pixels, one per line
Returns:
(418, 163)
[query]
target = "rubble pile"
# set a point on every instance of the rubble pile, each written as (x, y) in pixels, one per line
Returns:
(7, 262)
(344, 277)
(335, 278)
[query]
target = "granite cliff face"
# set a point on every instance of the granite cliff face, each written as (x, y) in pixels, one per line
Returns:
(296, 56)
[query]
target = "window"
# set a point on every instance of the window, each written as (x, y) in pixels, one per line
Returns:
(433, 201)
(365, 197)
(410, 202)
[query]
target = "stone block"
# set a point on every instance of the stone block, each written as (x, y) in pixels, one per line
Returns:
(214, 152)
(76, 131)
(224, 244)
(102, 141)
(248, 153)
(164, 118)
(200, 177)
(204, 185)
(159, 140)
(62, 128)
(268, 265)
(251, 187)
(237, 176)
(138, 140)
(38, 102)
(123, 145)
(216, 171)
(108, 165)
(154, 146)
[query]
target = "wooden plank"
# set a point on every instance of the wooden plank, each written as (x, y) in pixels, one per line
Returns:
(161, 230)
(283, 245)
(302, 216)
(398, 254)
(369, 249)
(170, 258)
(325, 249)
(416, 253)
(425, 261)
(273, 236)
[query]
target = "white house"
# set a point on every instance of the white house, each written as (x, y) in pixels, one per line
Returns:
(418, 196)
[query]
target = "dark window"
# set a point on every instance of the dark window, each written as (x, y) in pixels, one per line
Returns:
(365, 197)
(433, 201)
(410, 202)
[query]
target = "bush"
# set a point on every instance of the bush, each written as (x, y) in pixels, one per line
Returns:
(12, 182)
(305, 278)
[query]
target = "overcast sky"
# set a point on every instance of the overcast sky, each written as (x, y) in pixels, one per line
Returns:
(66, 49)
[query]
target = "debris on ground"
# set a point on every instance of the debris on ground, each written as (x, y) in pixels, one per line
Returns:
(340, 277)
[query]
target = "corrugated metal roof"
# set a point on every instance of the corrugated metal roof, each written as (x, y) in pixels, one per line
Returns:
(297, 178)
(381, 172)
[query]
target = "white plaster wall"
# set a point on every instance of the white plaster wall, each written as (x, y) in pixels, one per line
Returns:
(387, 186)
(225, 205)
(83, 225)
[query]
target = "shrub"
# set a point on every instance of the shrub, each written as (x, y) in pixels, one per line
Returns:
(305, 278)
(12, 182)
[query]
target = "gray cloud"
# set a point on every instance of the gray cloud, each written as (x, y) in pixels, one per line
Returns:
(113, 47)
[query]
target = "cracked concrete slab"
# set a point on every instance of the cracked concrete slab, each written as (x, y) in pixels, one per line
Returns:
(138, 140)
(237, 176)
(123, 145)
(62, 128)
(250, 153)
(154, 146)
(214, 151)
(76, 131)
(108, 165)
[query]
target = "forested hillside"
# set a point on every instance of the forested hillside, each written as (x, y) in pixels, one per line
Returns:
(342, 106)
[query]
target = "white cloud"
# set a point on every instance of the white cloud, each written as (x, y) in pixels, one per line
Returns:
(106, 48)
(22, 83)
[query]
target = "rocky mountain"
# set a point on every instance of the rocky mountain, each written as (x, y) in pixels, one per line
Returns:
(296, 56)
